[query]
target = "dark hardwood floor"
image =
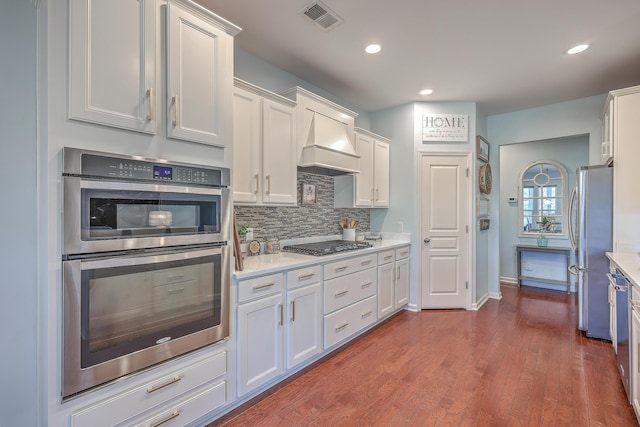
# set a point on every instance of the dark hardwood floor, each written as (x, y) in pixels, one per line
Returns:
(515, 362)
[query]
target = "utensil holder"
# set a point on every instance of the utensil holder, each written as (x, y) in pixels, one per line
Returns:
(349, 234)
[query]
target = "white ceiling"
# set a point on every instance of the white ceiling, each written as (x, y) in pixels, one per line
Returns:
(506, 55)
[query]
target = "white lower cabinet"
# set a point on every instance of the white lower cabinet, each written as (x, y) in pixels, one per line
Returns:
(304, 315)
(340, 325)
(402, 277)
(386, 270)
(260, 331)
(634, 349)
(169, 394)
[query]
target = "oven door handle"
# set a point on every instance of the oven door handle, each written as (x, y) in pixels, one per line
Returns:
(135, 186)
(125, 261)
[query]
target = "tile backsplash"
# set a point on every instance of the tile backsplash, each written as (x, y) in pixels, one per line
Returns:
(290, 222)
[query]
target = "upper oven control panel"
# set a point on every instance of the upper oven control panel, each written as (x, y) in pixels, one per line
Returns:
(102, 165)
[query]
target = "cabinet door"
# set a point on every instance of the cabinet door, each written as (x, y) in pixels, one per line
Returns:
(385, 290)
(278, 154)
(246, 147)
(199, 79)
(304, 324)
(381, 175)
(260, 342)
(612, 317)
(364, 180)
(112, 63)
(402, 282)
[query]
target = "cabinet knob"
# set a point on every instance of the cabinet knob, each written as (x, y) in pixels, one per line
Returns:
(427, 240)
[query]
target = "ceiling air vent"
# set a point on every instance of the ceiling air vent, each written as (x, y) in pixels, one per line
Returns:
(322, 15)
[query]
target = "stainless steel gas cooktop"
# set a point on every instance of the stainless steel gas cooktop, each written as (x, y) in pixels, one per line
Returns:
(326, 248)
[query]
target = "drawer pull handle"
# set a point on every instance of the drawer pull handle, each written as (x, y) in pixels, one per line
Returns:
(367, 262)
(293, 310)
(157, 387)
(281, 321)
(344, 267)
(367, 314)
(173, 415)
(405, 253)
(263, 286)
(175, 291)
(341, 293)
(306, 276)
(388, 257)
(175, 277)
(366, 284)
(341, 327)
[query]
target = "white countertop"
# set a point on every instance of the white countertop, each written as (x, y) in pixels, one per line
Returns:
(258, 265)
(628, 263)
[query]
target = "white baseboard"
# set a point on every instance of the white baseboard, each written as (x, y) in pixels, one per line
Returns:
(509, 280)
(495, 295)
(480, 303)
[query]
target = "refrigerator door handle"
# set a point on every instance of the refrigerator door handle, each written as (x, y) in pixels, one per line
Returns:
(573, 269)
(572, 202)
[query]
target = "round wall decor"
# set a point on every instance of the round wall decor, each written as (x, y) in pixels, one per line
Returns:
(485, 178)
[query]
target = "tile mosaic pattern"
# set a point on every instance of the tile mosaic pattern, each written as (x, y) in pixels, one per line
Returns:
(290, 222)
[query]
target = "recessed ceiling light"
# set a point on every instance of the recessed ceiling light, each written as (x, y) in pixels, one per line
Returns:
(577, 49)
(373, 48)
(426, 92)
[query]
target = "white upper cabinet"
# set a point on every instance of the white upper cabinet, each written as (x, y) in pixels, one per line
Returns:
(370, 187)
(264, 160)
(199, 78)
(112, 69)
(116, 78)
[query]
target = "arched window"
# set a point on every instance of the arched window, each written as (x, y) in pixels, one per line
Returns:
(543, 195)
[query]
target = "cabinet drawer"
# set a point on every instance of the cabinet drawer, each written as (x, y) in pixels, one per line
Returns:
(260, 286)
(125, 405)
(340, 268)
(304, 276)
(386, 257)
(345, 290)
(189, 410)
(402, 253)
(344, 323)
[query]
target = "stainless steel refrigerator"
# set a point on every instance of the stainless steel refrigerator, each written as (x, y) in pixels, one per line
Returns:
(592, 205)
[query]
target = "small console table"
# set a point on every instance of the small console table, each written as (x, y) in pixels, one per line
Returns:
(546, 249)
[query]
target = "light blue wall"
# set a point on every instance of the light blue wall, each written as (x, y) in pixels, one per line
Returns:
(267, 76)
(571, 152)
(577, 117)
(18, 225)
(482, 263)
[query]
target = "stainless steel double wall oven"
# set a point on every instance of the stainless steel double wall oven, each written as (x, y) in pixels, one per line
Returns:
(146, 269)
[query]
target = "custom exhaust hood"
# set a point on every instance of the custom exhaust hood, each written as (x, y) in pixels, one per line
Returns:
(324, 135)
(328, 148)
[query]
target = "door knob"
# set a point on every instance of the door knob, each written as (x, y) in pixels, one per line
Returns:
(427, 240)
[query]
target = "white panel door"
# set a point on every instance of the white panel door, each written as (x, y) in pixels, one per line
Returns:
(279, 168)
(444, 208)
(199, 80)
(246, 146)
(364, 179)
(112, 63)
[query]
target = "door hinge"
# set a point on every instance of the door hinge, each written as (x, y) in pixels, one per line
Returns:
(467, 172)
(466, 285)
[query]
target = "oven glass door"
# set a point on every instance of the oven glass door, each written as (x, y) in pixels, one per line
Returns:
(147, 210)
(126, 308)
(105, 216)
(132, 312)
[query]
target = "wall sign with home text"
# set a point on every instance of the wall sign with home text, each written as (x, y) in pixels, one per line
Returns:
(445, 127)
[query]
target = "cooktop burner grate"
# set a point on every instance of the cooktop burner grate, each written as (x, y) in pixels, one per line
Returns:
(326, 248)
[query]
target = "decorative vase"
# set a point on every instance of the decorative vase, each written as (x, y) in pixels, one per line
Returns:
(542, 240)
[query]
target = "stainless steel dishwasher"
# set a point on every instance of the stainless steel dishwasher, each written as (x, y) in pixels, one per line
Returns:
(623, 308)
